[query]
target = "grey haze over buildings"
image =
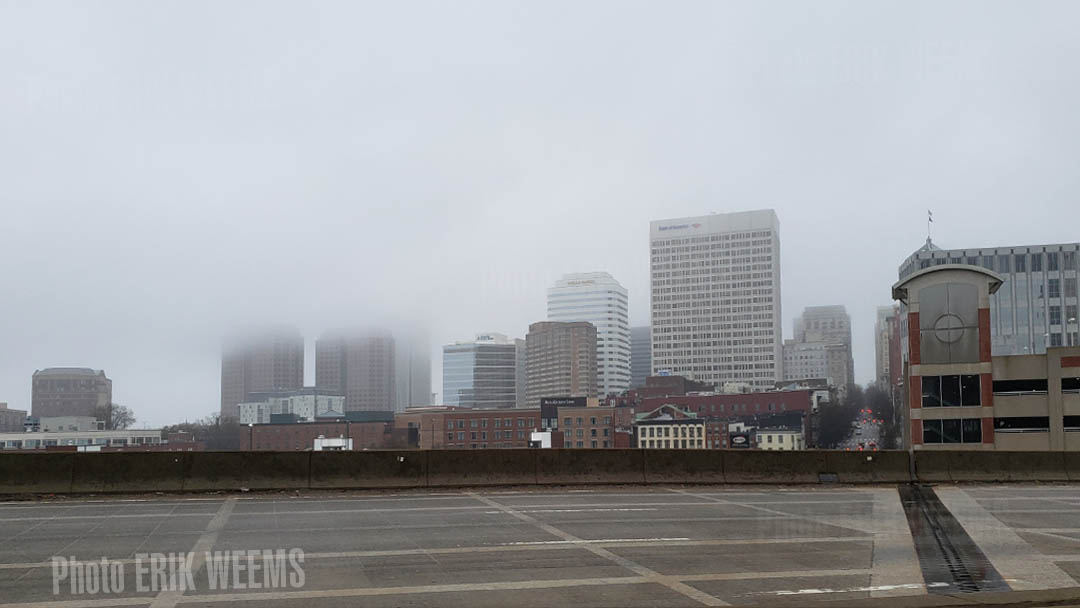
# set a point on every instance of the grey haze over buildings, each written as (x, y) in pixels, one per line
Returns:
(171, 171)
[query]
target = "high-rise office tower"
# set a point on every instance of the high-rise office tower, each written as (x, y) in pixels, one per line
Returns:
(829, 326)
(640, 355)
(482, 373)
(358, 365)
(597, 298)
(69, 391)
(883, 338)
(715, 291)
(560, 361)
(1036, 305)
(266, 361)
(412, 369)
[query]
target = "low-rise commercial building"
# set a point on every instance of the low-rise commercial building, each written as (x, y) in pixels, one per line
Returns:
(44, 440)
(780, 439)
(306, 404)
(667, 428)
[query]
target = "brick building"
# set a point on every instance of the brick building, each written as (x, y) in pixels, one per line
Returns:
(370, 435)
(69, 391)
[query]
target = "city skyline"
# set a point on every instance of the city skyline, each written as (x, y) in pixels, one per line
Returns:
(304, 178)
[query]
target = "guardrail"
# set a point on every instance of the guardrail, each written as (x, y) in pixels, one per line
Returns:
(68, 472)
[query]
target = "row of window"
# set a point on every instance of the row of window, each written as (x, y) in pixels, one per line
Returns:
(483, 423)
(686, 431)
(483, 435)
(672, 443)
(969, 430)
(951, 391)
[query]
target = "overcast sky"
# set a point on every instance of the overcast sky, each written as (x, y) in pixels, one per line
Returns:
(171, 169)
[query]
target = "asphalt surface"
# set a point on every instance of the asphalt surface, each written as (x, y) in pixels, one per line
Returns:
(865, 435)
(628, 546)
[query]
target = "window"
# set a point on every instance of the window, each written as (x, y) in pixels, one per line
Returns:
(1068, 260)
(450, 424)
(780, 439)
(461, 435)
(592, 433)
(593, 443)
(1052, 261)
(1020, 262)
(1070, 384)
(1055, 315)
(508, 422)
(1022, 424)
(1036, 262)
(953, 430)
(498, 435)
(460, 424)
(483, 436)
(581, 444)
(592, 420)
(521, 434)
(607, 433)
(1003, 263)
(498, 422)
(567, 421)
(951, 391)
(483, 423)
(1020, 386)
(580, 421)
(1054, 288)
(607, 419)
(472, 436)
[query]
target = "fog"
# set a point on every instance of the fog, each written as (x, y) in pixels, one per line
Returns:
(171, 170)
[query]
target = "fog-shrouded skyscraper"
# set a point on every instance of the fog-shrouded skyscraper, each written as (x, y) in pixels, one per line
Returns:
(597, 298)
(1035, 307)
(359, 365)
(560, 361)
(829, 326)
(715, 293)
(271, 360)
(483, 373)
(640, 355)
(883, 337)
(412, 369)
(69, 391)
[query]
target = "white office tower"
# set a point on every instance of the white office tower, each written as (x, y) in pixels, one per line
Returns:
(596, 297)
(715, 292)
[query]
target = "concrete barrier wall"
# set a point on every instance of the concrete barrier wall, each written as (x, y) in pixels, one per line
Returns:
(369, 469)
(992, 466)
(60, 473)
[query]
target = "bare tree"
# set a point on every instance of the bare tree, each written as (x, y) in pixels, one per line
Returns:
(115, 416)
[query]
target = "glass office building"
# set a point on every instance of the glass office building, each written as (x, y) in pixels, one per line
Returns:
(485, 373)
(1035, 307)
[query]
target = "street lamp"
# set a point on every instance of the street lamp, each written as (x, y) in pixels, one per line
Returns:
(251, 437)
(1068, 328)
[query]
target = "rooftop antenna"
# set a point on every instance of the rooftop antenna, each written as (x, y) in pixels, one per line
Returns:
(929, 220)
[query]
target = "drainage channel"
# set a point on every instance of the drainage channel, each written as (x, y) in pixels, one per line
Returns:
(950, 560)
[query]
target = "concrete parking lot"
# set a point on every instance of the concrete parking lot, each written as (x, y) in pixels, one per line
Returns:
(624, 546)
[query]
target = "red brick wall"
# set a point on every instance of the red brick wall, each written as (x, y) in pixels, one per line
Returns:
(984, 335)
(1070, 362)
(914, 339)
(916, 431)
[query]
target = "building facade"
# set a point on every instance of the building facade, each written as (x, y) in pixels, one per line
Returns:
(831, 327)
(69, 391)
(597, 298)
(1036, 306)
(359, 366)
(11, 421)
(960, 396)
(412, 369)
(669, 428)
(560, 360)
(483, 373)
(640, 355)
(783, 439)
(305, 404)
(271, 361)
(715, 293)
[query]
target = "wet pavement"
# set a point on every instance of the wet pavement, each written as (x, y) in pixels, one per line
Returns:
(627, 546)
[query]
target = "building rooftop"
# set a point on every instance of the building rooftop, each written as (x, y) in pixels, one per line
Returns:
(69, 371)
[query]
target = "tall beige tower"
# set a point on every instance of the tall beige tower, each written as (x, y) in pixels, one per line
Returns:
(560, 361)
